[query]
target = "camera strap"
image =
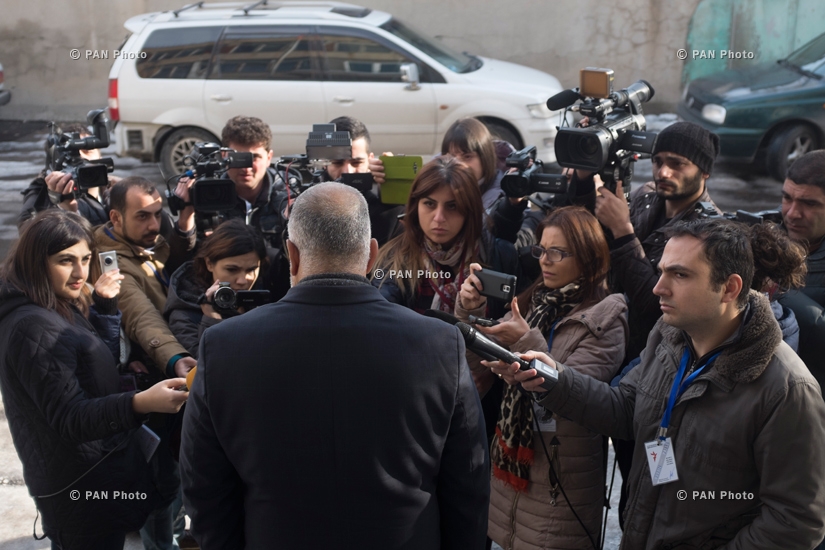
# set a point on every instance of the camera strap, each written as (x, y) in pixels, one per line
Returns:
(56, 198)
(162, 279)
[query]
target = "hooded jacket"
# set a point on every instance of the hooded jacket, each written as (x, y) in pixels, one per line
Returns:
(182, 311)
(748, 437)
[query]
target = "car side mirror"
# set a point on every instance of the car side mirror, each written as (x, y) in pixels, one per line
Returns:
(409, 74)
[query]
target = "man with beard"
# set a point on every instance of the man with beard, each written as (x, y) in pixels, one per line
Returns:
(682, 161)
(133, 231)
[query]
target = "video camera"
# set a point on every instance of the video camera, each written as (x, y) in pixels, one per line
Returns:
(227, 299)
(615, 136)
(63, 153)
(324, 144)
(612, 141)
(210, 194)
(706, 210)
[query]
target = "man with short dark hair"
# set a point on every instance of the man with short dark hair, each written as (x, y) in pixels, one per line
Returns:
(803, 215)
(729, 424)
(358, 163)
(142, 253)
(353, 424)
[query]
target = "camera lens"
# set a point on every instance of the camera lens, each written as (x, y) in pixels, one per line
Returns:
(108, 260)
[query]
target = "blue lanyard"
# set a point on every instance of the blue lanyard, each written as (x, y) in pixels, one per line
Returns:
(158, 275)
(678, 389)
(550, 338)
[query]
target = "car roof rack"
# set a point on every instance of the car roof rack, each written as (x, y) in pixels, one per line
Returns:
(188, 7)
(251, 7)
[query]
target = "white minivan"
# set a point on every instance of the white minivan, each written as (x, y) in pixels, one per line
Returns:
(182, 74)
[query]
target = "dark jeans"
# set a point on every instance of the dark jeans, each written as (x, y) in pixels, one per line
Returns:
(112, 541)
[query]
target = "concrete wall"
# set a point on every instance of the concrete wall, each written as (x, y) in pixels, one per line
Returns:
(638, 39)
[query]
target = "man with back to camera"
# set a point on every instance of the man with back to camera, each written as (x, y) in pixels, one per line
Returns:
(748, 423)
(803, 215)
(354, 423)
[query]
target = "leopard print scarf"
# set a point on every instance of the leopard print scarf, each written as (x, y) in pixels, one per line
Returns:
(512, 448)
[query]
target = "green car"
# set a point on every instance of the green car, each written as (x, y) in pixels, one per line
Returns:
(774, 111)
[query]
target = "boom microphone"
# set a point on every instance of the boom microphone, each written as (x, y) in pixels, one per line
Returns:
(563, 99)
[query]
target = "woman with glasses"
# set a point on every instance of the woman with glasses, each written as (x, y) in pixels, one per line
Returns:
(548, 472)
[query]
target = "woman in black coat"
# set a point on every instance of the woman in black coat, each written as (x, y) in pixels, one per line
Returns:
(234, 253)
(74, 432)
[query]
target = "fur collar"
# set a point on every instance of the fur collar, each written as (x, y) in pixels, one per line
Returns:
(746, 359)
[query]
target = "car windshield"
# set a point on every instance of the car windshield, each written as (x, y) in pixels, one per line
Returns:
(810, 56)
(456, 62)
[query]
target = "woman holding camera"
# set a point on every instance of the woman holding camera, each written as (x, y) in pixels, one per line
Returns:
(74, 432)
(234, 253)
(443, 234)
(547, 483)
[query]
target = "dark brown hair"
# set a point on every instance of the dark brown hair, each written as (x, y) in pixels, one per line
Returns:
(809, 169)
(469, 135)
(118, 191)
(247, 130)
(587, 245)
(406, 251)
(776, 257)
(231, 238)
(27, 265)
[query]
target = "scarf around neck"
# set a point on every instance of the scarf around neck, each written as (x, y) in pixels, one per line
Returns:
(455, 258)
(512, 450)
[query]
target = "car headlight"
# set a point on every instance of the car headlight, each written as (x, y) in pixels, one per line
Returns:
(539, 110)
(714, 113)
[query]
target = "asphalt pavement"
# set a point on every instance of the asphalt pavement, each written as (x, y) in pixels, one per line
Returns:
(22, 157)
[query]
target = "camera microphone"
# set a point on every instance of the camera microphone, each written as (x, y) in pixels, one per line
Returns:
(563, 99)
(490, 351)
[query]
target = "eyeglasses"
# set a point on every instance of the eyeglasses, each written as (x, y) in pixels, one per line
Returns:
(553, 254)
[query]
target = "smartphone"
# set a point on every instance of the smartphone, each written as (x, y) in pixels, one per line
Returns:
(362, 182)
(399, 173)
(482, 322)
(108, 261)
(497, 285)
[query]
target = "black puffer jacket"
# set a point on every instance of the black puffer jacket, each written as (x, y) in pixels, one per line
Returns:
(60, 391)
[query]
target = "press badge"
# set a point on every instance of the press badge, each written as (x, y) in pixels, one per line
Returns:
(661, 461)
(544, 417)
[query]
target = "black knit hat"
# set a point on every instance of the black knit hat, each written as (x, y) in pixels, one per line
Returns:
(691, 141)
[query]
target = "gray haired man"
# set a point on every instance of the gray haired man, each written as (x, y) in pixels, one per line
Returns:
(334, 418)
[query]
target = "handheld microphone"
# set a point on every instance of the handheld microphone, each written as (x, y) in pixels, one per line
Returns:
(490, 351)
(563, 99)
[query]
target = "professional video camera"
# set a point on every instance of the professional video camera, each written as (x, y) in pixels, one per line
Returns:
(63, 153)
(615, 135)
(706, 210)
(324, 144)
(528, 179)
(210, 194)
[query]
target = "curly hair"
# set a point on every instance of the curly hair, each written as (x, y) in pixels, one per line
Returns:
(247, 130)
(777, 258)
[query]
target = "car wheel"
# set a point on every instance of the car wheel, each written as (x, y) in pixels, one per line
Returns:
(499, 131)
(178, 145)
(787, 146)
